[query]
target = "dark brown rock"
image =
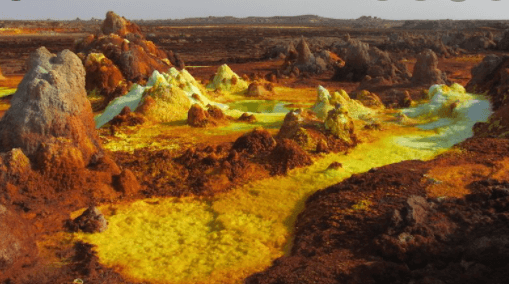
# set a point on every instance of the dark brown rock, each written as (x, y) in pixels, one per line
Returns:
(426, 70)
(91, 221)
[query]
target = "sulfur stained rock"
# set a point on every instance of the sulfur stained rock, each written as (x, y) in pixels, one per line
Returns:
(340, 124)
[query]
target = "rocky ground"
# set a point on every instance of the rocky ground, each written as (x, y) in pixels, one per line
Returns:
(394, 224)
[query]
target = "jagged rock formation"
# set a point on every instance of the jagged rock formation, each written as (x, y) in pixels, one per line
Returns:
(491, 77)
(301, 59)
(51, 105)
(361, 60)
(122, 48)
(48, 143)
(426, 70)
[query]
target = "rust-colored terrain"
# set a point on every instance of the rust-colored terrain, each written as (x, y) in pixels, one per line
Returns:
(443, 220)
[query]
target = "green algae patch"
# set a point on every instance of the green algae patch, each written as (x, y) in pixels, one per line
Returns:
(232, 235)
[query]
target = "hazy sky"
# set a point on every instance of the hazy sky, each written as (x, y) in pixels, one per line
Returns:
(171, 9)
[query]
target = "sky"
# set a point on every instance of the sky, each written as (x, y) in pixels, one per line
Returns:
(172, 9)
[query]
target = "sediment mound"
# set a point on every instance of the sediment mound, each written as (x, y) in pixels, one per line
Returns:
(226, 80)
(326, 102)
(199, 117)
(50, 154)
(122, 47)
(426, 70)
(166, 97)
(288, 155)
(51, 104)
(361, 60)
(258, 141)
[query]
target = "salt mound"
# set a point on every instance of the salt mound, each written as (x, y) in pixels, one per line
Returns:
(451, 112)
(166, 97)
(326, 102)
(50, 103)
(226, 80)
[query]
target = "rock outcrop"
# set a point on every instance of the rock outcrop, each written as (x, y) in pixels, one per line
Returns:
(50, 107)
(491, 77)
(340, 124)
(90, 221)
(50, 152)
(119, 57)
(361, 60)
(301, 59)
(426, 70)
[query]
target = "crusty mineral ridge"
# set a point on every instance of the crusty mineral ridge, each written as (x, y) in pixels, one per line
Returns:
(426, 71)
(51, 105)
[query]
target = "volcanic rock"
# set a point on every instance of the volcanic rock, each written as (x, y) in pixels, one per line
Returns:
(124, 49)
(91, 221)
(426, 71)
(303, 60)
(293, 127)
(361, 60)
(340, 124)
(198, 117)
(503, 44)
(103, 77)
(126, 182)
(288, 155)
(255, 90)
(370, 100)
(51, 104)
(114, 24)
(258, 141)
(481, 71)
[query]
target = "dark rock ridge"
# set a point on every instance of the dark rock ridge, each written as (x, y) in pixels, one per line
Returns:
(366, 63)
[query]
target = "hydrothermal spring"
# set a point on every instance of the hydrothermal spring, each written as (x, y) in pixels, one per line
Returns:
(232, 235)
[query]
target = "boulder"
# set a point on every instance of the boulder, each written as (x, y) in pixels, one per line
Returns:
(91, 221)
(51, 104)
(426, 71)
(255, 90)
(114, 24)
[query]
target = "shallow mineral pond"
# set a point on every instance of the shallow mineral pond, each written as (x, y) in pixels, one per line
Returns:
(232, 235)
